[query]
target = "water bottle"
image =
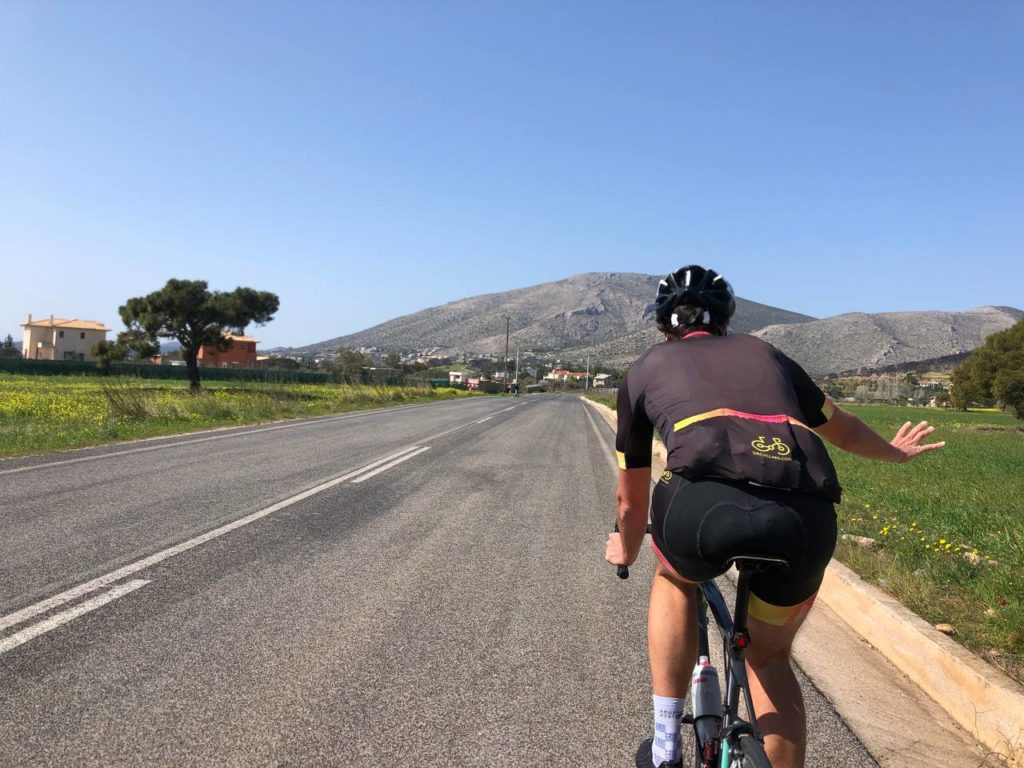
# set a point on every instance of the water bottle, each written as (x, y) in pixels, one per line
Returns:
(706, 695)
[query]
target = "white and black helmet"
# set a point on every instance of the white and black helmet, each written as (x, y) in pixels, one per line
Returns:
(694, 286)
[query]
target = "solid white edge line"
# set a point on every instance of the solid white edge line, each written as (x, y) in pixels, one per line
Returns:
(102, 581)
(51, 623)
(483, 420)
(601, 440)
(392, 464)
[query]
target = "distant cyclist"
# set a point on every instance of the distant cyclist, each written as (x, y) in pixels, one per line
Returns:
(747, 474)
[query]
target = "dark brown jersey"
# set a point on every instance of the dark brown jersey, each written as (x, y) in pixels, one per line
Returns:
(727, 407)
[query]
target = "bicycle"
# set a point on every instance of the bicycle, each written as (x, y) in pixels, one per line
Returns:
(726, 740)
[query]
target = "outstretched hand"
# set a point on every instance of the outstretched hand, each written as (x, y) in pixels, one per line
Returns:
(908, 440)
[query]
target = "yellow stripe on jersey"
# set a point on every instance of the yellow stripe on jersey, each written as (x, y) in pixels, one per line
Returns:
(776, 418)
(622, 459)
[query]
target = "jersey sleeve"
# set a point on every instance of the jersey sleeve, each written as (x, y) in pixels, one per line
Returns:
(816, 407)
(634, 432)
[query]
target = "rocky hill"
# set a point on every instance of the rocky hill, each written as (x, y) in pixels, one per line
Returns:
(858, 342)
(610, 317)
(606, 314)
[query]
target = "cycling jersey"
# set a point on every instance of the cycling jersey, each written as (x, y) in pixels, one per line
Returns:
(728, 407)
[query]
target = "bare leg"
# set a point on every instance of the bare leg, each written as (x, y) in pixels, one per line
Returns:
(671, 633)
(776, 693)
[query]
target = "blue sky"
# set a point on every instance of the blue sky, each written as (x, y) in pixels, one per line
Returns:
(366, 160)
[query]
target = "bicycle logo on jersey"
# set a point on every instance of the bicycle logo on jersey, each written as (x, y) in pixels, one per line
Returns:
(776, 449)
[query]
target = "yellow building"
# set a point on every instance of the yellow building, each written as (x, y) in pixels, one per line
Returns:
(55, 338)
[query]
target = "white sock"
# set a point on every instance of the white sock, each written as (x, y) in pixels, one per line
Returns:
(668, 740)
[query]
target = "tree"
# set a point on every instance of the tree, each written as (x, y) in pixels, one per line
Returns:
(107, 352)
(7, 349)
(284, 363)
(351, 362)
(129, 344)
(992, 371)
(186, 310)
(1008, 386)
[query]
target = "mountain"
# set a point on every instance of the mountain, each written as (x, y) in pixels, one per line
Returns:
(858, 342)
(609, 316)
(604, 314)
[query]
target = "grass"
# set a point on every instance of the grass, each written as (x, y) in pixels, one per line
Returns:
(948, 527)
(52, 413)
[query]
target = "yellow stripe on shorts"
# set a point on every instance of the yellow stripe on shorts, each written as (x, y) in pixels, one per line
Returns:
(777, 615)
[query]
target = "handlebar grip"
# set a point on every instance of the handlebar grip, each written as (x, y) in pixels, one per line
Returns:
(623, 569)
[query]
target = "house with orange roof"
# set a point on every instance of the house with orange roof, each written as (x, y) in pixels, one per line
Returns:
(57, 338)
(241, 353)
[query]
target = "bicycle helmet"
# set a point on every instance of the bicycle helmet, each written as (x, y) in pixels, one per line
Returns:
(694, 286)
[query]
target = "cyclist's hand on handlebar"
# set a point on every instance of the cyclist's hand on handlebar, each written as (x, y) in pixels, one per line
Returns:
(908, 440)
(613, 552)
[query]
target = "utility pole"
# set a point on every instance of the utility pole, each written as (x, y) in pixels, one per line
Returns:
(508, 323)
(517, 364)
(586, 383)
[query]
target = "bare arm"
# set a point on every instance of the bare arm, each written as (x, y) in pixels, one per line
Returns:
(633, 499)
(846, 431)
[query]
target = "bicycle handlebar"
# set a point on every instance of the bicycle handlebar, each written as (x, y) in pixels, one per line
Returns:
(623, 570)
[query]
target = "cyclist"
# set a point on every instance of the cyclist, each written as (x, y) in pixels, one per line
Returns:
(747, 473)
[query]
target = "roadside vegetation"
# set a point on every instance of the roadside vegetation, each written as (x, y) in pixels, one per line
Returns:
(52, 413)
(944, 534)
(947, 532)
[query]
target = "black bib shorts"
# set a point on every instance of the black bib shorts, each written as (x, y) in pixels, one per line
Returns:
(698, 526)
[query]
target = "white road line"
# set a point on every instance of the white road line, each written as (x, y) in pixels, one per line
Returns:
(243, 433)
(601, 439)
(392, 464)
(51, 623)
(102, 581)
(483, 420)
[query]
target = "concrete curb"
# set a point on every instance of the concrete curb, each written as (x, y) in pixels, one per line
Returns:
(981, 699)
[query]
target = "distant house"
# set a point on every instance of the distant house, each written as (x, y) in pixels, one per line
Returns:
(56, 338)
(564, 374)
(479, 384)
(241, 353)
(603, 380)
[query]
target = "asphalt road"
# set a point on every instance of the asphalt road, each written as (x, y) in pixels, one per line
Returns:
(421, 586)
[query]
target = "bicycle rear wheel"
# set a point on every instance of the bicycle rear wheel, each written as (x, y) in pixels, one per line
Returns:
(752, 751)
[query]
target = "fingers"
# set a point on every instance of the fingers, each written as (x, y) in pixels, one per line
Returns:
(912, 435)
(902, 432)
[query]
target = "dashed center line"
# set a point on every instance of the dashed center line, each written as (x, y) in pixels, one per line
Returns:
(389, 465)
(70, 595)
(116, 591)
(51, 623)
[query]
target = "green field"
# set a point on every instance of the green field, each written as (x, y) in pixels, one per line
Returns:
(948, 527)
(52, 413)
